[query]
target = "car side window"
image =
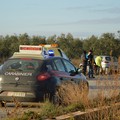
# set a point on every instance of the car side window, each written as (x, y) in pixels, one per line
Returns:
(70, 67)
(60, 66)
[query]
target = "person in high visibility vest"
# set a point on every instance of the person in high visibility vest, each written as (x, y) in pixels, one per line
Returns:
(98, 61)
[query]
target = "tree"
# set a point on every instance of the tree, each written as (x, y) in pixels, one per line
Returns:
(24, 39)
(108, 43)
(52, 39)
(91, 44)
(77, 48)
(36, 40)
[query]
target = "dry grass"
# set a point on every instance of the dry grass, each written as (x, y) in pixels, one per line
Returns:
(70, 93)
(76, 62)
(71, 97)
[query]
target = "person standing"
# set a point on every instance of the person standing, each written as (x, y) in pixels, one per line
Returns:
(90, 64)
(98, 61)
(84, 62)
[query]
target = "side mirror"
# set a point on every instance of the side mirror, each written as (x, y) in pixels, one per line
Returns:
(79, 70)
(72, 73)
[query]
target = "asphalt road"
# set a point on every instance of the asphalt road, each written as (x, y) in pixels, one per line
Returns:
(107, 86)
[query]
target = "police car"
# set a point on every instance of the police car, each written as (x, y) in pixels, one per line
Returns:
(33, 74)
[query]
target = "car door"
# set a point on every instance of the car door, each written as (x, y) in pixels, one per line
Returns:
(60, 69)
(73, 73)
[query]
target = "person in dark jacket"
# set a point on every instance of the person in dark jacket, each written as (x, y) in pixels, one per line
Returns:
(90, 64)
(84, 62)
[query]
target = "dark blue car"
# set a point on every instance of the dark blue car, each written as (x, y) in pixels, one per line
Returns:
(33, 78)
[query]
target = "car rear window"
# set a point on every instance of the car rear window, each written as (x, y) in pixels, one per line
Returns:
(21, 65)
(108, 58)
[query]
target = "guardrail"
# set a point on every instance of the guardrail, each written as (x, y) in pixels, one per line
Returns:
(86, 115)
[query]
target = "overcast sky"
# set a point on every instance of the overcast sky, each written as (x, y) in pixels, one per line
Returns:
(81, 18)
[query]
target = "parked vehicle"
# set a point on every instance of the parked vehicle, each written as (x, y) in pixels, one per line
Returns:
(29, 76)
(109, 64)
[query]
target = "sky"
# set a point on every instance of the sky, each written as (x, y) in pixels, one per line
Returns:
(81, 18)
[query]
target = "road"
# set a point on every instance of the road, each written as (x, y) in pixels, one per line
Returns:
(107, 86)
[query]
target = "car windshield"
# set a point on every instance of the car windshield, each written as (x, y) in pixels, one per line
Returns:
(21, 65)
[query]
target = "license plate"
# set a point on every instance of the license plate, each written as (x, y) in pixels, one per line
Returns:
(16, 94)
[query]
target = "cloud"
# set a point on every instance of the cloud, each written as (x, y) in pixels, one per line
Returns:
(112, 10)
(115, 10)
(87, 21)
(100, 21)
(88, 7)
(78, 7)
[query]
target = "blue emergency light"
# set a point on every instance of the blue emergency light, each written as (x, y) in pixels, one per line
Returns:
(50, 53)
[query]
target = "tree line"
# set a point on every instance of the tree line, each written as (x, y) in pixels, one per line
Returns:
(106, 44)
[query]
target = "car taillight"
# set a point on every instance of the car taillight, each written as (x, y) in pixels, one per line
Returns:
(43, 76)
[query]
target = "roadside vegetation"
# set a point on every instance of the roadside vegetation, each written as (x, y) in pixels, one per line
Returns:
(99, 108)
(106, 44)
